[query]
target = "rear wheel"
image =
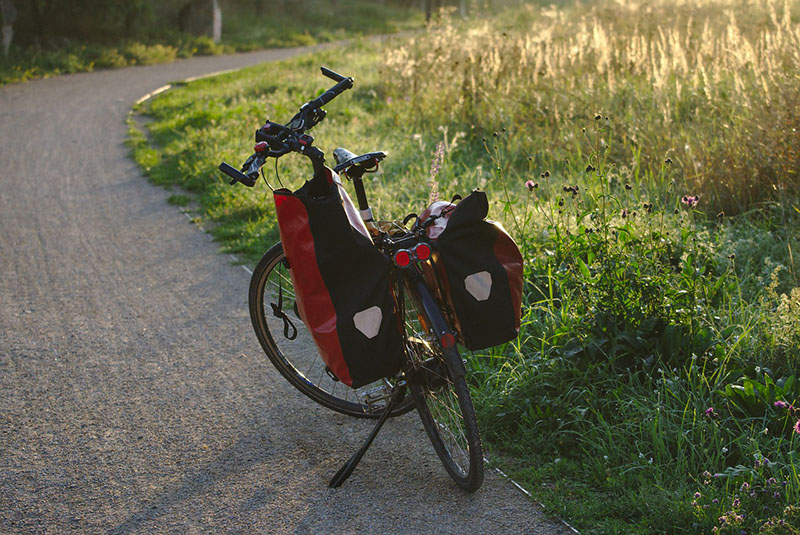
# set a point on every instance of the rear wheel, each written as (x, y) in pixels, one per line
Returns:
(290, 348)
(442, 396)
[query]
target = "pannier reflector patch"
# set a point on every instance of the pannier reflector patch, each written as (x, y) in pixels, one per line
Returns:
(479, 285)
(369, 321)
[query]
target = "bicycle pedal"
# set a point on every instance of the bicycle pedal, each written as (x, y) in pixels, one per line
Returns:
(376, 399)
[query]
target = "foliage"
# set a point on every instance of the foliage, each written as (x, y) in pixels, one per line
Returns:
(98, 34)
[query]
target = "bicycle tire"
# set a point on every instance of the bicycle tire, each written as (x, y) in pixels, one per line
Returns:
(299, 360)
(443, 400)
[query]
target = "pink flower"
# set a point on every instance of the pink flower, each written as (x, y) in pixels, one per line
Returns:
(531, 185)
(710, 412)
(690, 200)
(780, 404)
(797, 427)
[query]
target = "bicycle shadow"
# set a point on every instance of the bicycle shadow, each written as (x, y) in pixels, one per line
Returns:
(253, 481)
(245, 454)
(313, 456)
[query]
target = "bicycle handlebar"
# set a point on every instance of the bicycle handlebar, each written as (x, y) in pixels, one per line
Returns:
(335, 76)
(283, 139)
(330, 94)
(236, 175)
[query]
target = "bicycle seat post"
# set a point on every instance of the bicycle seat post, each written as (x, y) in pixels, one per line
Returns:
(361, 195)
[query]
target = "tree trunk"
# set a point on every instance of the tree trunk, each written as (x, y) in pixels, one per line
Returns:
(216, 24)
(9, 14)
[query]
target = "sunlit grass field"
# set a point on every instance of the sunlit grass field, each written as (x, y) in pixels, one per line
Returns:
(645, 155)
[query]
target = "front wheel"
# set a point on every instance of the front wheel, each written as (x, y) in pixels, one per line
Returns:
(440, 392)
(290, 348)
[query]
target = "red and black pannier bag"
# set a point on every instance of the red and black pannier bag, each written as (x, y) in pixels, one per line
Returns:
(478, 269)
(341, 282)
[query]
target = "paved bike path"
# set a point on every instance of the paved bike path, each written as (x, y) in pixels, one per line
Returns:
(134, 397)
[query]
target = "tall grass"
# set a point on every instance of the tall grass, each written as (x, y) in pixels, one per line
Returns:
(711, 84)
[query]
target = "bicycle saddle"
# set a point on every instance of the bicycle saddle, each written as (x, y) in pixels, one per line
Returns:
(346, 159)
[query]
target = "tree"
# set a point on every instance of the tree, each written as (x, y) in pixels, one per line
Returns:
(9, 14)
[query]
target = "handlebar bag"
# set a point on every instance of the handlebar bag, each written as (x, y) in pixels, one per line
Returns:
(341, 283)
(477, 268)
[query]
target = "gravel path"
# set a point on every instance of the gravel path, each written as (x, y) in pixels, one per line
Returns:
(134, 397)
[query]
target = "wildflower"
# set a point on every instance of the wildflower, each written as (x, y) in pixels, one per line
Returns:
(780, 404)
(531, 185)
(721, 215)
(648, 206)
(745, 486)
(598, 117)
(715, 501)
(736, 502)
(388, 100)
(436, 165)
(731, 256)
(710, 412)
(628, 187)
(797, 427)
(668, 161)
(690, 200)
(590, 168)
(624, 214)
(697, 495)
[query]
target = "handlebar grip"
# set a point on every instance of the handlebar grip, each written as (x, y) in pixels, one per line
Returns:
(236, 175)
(331, 93)
(335, 76)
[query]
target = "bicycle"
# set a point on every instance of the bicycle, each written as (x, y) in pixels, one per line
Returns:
(432, 371)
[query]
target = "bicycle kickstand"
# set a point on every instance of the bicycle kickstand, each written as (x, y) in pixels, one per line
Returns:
(343, 473)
